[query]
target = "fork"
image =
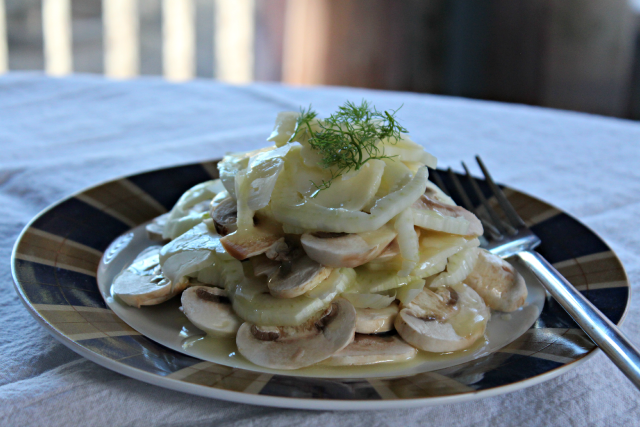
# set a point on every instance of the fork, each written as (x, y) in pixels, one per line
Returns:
(513, 238)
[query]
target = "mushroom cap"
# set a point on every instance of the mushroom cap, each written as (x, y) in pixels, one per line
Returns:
(449, 319)
(376, 320)
(225, 216)
(431, 335)
(497, 282)
(347, 250)
(142, 282)
(294, 348)
(209, 309)
(370, 349)
(297, 277)
(256, 240)
(263, 266)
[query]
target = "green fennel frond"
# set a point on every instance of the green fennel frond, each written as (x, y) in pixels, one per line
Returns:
(348, 138)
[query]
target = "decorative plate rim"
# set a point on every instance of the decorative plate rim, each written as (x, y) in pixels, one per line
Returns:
(284, 401)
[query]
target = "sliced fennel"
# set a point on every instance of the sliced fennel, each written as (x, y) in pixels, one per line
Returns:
(405, 150)
(432, 220)
(376, 301)
(436, 248)
(284, 128)
(368, 281)
(254, 185)
(339, 280)
(267, 310)
(408, 242)
(187, 212)
(407, 293)
(233, 163)
(459, 267)
(192, 251)
(351, 191)
(289, 208)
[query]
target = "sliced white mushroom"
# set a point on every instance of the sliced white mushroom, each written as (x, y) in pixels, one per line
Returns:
(376, 320)
(225, 216)
(370, 349)
(347, 250)
(156, 227)
(263, 266)
(209, 309)
(142, 283)
(242, 246)
(432, 214)
(296, 277)
(297, 347)
(449, 319)
(497, 282)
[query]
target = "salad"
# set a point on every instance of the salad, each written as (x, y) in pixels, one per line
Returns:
(328, 246)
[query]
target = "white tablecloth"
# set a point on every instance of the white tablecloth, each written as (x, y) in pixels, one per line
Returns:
(60, 135)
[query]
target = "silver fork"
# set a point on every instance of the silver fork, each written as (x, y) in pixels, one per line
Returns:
(514, 238)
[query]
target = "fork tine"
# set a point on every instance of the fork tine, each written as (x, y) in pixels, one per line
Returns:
(504, 227)
(463, 194)
(493, 231)
(439, 183)
(508, 209)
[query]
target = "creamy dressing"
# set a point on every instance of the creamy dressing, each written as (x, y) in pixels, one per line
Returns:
(224, 349)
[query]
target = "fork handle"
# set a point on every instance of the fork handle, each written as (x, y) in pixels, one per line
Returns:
(595, 324)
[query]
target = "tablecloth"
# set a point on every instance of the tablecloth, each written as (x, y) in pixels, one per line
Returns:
(60, 135)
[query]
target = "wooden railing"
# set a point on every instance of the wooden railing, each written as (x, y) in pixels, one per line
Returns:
(234, 28)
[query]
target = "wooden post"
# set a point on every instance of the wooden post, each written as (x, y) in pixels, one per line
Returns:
(178, 47)
(121, 38)
(56, 29)
(233, 40)
(4, 46)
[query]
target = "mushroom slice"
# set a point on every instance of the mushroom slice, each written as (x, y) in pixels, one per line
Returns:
(210, 309)
(156, 227)
(432, 214)
(497, 282)
(297, 277)
(347, 250)
(255, 240)
(263, 266)
(373, 321)
(450, 319)
(225, 216)
(370, 349)
(142, 283)
(297, 347)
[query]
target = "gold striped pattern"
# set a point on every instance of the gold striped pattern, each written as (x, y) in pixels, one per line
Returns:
(597, 271)
(212, 169)
(561, 345)
(219, 376)
(49, 249)
(427, 384)
(123, 200)
(82, 323)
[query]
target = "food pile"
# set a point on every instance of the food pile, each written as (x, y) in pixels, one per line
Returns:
(330, 246)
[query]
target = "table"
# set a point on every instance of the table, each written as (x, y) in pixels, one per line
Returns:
(59, 136)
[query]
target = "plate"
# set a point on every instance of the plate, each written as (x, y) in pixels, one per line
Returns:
(55, 269)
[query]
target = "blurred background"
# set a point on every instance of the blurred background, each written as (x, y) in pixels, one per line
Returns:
(579, 55)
